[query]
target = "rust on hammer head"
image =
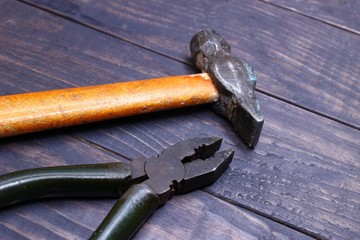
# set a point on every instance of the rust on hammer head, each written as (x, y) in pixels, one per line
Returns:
(235, 81)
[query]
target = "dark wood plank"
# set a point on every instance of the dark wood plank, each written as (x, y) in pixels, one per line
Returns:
(300, 60)
(31, 48)
(210, 218)
(340, 13)
(303, 173)
(43, 52)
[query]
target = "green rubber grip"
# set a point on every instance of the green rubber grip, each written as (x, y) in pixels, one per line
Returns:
(93, 180)
(128, 214)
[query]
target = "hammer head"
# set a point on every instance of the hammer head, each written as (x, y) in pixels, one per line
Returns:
(235, 81)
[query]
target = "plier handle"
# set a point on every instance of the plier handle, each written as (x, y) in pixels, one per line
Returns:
(143, 185)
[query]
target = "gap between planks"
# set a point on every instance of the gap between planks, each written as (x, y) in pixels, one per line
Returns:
(293, 10)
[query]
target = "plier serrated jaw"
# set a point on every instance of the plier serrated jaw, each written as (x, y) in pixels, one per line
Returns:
(184, 167)
(200, 173)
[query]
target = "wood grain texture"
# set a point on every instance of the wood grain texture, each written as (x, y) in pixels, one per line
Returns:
(340, 13)
(301, 61)
(297, 175)
(303, 174)
(210, 218)
(38, 111)
(43, 51)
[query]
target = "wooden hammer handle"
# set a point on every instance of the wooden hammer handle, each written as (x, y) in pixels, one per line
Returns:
(31, 112)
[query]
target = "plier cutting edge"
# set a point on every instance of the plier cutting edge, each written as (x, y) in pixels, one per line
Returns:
(143, 185)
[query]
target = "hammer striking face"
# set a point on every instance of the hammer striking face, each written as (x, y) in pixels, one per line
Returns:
(227, 82)
(235, 82)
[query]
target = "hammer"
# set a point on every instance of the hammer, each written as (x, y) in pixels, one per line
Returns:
(226, 81)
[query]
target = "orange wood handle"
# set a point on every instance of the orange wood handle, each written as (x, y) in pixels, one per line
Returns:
(31, 112)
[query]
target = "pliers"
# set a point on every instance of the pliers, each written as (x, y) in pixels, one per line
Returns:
(143, 185)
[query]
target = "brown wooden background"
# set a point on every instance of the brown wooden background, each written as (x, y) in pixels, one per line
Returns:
(302, 181)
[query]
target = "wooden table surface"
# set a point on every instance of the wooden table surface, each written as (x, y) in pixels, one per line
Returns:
(302, 181)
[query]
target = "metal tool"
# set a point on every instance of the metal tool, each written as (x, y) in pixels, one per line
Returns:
(145, 184)
(227, 81)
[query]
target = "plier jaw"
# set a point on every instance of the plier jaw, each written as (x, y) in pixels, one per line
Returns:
(147, 183)
(184, 167)
(200, 173)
